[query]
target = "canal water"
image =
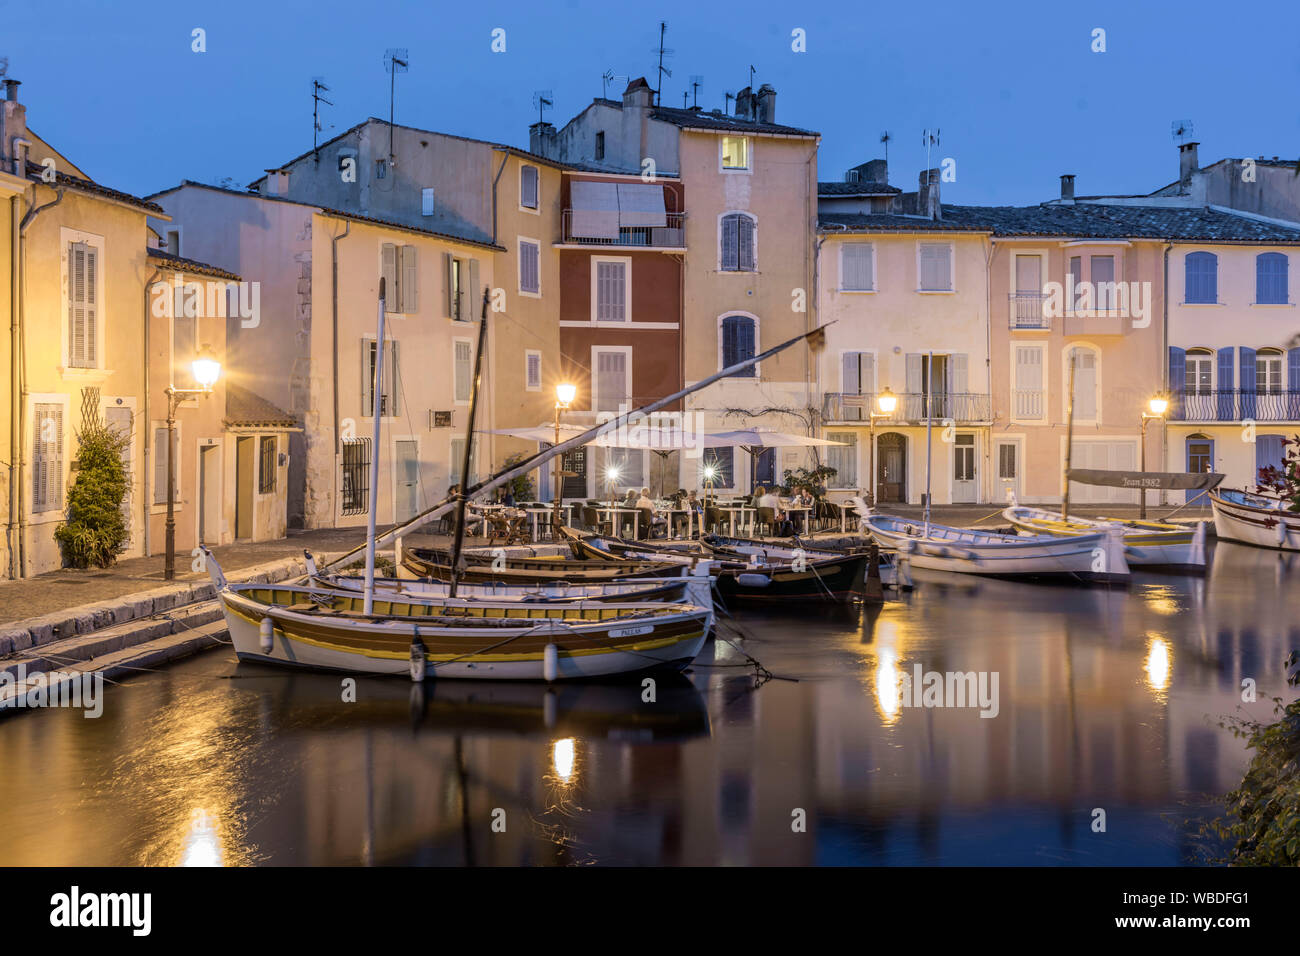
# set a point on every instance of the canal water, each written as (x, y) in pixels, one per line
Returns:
(1109, 707)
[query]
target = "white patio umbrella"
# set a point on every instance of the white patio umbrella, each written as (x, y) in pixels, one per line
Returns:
(757, 440)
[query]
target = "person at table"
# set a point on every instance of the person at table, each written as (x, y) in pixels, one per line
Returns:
(781, 526)
(505, 496)
(649, 519)
(802, 499)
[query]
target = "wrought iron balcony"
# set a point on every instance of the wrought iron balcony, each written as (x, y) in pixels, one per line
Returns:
(672, 235)
(1234, 405)
(912, 408)
(1028, 310)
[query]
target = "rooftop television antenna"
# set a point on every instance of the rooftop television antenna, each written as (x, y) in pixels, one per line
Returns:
(885, 138)
(606, 78)
(543, 100)
(1181, 130)
(929, 138)
(317, 87)
(396, 61)
(696, 83)
(752, 71)
(663, 51)
(727, 102)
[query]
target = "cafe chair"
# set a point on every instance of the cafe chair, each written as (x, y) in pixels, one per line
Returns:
(593, 522)
(828, 514)
(645, 523)
(764, 521)
(714, 519)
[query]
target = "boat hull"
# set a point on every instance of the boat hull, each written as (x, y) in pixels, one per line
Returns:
(1146, 544)
(1250, 519)
(839, 580)
(382, 645)
(1095, 558)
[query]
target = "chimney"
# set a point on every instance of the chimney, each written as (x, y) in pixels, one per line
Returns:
(1067, 186)
(1187, 161)
(638, 94)
(14, 144)
(745, 104)
(11, 90)
(542, 140)
(277, 182)
(766, 104)
(927, 195)
(877, 171)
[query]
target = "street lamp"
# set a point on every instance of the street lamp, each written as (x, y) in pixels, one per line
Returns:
(1156, 408)
(887, 402)
(206, 370)
(564, 396)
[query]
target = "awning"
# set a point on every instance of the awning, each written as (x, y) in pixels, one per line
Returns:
(595, 210)
(641, 205)
(1192, 481)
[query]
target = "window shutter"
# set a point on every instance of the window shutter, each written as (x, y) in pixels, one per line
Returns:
(935, 274)
(463, 372)
(914, 372)
(1177, 380)
(533, 370)
(367, 376)
(959, 374)
(473, 294)
(528, 187)
(1271, 278)
(1085, 384)
(448, 285)
(410, 304)
(852, 373)
(1226, 361)
(1202, 277)
(393, 375)
(82, 309)
(160, 466)
(745, 244)
(729, 243)
(1246, 388)
(857, 266)
(392, 296)
(1293, 383)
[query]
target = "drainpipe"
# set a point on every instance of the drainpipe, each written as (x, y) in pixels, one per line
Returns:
(19, 394)
(334, 293)
(15, 412)
(1164, 361)
(816, 286)
(146, 488)
(505, 158)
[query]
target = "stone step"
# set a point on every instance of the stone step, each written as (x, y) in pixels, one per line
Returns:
(87, 647)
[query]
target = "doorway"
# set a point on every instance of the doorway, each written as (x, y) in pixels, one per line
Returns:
(765, 469)
(210, 494)
(245, 463)
(1200, 461)
(891, 470)
(965, 480)
(573, 469)
(406, 501)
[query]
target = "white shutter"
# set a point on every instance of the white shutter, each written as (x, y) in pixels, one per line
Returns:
(388, 270)
(463, 372)
(856, 259)
(958, 384)
(528, 187)
(851, 373)
(1085, 384)
(611, 292)
(426, 201)
(1028, 382)
(472, 295)
(935, 273)
(392, 381)
(407, 289)
(611, 380)
(533, 371)
(83, 266)
(914, 360)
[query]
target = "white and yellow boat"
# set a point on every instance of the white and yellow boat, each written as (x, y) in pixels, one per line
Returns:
(1147, 544)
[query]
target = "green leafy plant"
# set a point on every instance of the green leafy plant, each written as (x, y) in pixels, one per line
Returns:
(521, 486)
(95, 532)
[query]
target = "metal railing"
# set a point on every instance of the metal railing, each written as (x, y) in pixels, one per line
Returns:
(1027, 312)
(671, 235)
(1234, 404)
(958, 407)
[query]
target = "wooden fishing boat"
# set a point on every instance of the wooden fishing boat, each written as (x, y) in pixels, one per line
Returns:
(840, 579)
(893, 573)
(434, 565)
(1255, 519)
(1146, 543)
(502, 640)
(688, 589)
(1097, 557)
(586, 546)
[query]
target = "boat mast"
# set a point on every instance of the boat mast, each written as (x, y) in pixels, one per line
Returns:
(374, 457)
(929, 390)
(461, 498)
(1069, 442)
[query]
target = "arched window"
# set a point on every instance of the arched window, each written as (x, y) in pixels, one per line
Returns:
(1202, 278)
(739, 341)
(737, 242)
(1270, 372)
(1271, 278)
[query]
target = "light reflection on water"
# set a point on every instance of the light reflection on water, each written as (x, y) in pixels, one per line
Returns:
(1108, 699)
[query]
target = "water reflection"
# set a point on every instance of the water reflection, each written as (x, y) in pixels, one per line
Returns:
(1108, 698)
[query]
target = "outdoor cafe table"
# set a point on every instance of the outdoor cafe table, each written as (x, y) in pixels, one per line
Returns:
(612, 512)
(535, 513)
(668, 510)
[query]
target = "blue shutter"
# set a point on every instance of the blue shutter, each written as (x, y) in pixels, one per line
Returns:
(1271, 278)
(728, 342)
(738, 343)
(1293, 383)
(1202, 277)
(1226, 406)
(1177, 380)
(1247, 385)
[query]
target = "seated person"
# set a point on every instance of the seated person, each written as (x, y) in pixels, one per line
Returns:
(781, 525)
(647, 509)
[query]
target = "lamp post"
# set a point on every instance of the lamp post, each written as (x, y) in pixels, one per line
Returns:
(564, 395)
(1156, 408)
(887, 402)
(206, 371)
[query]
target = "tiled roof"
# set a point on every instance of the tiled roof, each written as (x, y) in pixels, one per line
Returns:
(190, 265)
(1083, 220)
(245, 409)
(857, 189)
(699, 119)
(35, 171)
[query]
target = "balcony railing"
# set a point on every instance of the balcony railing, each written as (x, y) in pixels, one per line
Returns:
(672, 235)
(958, 407)
(1027, 311)
(1235, 404)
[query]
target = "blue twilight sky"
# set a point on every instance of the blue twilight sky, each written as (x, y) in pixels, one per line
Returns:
(1014, 86)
